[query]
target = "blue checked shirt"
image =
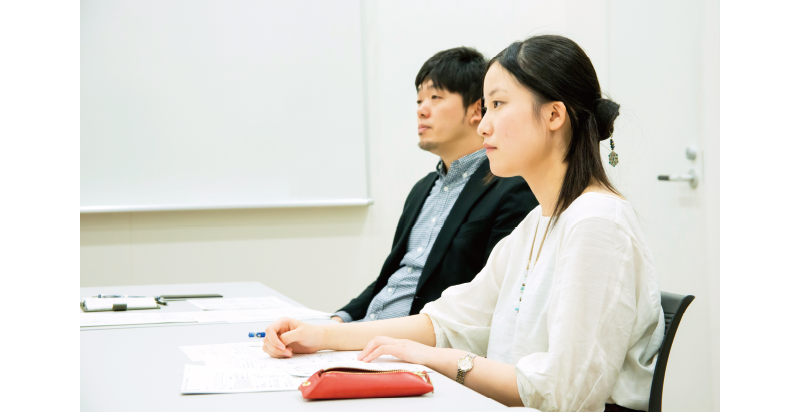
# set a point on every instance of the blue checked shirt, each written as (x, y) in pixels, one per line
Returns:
(395, 299)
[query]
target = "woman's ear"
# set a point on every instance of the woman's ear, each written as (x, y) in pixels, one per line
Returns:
(555, 114)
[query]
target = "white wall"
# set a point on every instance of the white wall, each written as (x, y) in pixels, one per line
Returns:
(325, 256)
(711, 135)
(663, 74)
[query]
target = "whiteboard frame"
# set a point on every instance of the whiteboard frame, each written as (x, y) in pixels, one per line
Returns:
(270, 205)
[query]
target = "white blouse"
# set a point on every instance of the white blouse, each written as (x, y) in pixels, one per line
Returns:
(590, 322)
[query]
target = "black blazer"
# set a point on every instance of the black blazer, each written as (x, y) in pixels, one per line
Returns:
(482, 215)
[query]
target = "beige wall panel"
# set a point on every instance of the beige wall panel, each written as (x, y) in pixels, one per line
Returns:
(308, 254)
(105, 249)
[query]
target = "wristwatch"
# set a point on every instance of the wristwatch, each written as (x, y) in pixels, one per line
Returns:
(464, 366)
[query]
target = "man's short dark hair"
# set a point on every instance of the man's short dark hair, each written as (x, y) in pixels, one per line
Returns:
(458, 70)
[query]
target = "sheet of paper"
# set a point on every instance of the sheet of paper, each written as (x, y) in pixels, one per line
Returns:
(269, 302)
(306, 370)
(308, 364)
(250, 355)
(241, 363)
(203, 379)
(320, 357)
(252, 350)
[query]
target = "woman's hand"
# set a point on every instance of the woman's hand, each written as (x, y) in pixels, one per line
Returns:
(286, 336)
(407, 350)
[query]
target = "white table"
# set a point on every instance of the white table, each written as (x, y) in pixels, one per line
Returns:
(140, 368)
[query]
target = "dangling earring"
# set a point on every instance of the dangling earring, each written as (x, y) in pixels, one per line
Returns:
(613, 159)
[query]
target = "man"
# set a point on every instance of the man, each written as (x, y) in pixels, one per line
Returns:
(453, 218)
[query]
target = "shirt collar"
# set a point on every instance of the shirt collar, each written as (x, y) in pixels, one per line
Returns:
(467, 164)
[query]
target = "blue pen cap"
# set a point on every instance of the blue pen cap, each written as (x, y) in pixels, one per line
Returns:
(257, 334)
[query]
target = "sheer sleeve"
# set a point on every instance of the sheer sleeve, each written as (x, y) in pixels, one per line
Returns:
(590, 318)
(462, 317)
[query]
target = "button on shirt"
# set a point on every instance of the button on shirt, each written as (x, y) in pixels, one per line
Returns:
(395, 299)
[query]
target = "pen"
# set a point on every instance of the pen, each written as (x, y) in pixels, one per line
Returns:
(119, 296)
(257, 334)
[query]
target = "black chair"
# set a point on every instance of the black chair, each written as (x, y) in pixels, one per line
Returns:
(674, 306)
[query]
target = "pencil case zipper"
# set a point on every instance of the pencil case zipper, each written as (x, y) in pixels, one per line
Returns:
(422, 375)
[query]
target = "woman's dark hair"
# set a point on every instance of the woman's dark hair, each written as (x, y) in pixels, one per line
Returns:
(458, 70)
(556, 69)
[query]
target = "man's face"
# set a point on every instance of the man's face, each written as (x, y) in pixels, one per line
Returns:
(441, 118)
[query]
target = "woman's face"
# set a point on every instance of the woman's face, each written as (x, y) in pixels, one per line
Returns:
(514, 139)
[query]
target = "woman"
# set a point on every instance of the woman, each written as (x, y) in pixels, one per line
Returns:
(566, 315)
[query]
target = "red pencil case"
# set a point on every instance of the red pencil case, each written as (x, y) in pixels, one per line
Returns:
(349, 383)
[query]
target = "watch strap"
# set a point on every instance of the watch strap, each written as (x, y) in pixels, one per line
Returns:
(460, 376)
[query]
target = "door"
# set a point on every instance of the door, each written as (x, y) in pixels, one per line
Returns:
(661, 70)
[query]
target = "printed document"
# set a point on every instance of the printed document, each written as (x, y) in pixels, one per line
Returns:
(249, 355)
(203, 379)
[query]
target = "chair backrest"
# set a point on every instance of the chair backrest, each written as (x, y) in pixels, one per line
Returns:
(674, 306)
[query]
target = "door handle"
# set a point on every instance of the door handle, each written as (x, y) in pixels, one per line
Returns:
(690, 177)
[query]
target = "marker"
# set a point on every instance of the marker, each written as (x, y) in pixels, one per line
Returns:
(257, 334)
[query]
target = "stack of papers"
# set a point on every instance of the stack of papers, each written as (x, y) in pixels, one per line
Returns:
(228, 361)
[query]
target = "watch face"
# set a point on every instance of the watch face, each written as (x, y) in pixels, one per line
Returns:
(464, 364)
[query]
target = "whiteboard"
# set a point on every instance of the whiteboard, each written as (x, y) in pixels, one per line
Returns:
(198, 104)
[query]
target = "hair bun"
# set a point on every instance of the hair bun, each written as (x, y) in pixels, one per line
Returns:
(605, 112)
